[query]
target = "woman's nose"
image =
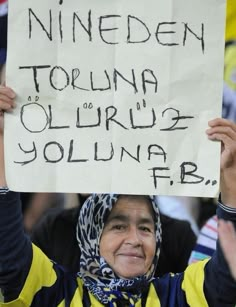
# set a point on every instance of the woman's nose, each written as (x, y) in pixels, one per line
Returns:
(133, 236)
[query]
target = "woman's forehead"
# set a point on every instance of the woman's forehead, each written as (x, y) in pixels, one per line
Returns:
(133, 205)
(134, 198)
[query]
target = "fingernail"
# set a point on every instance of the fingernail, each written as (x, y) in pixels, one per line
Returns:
(7, 106)
(12, 95)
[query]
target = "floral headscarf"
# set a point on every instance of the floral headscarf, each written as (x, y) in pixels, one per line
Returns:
(97, 275)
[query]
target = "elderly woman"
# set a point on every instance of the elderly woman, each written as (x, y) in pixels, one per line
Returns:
(120, 238)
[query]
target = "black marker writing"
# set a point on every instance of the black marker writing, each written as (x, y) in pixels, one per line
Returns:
(113, 80)
(188, 173)
(106, 118)
(55, 148)
(156, 174)
(175, 119)
(137, 29)
(55, 152)
(33, 150)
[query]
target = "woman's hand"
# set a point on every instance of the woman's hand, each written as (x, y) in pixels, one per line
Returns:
(7, 96)
(225, 131)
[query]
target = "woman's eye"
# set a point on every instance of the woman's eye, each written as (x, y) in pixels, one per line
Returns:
(118, 227)
(145, 229)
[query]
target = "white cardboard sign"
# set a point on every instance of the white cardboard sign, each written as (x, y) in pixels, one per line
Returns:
(114, 96)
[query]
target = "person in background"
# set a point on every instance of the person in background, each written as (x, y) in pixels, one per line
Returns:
(230, 29)
(181, 208)
(206, 241)
(35, 206)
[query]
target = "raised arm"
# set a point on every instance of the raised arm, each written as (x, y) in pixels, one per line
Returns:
(7, 103)
(227, 236)
(225, 131)
(15, 248)
(220, 286)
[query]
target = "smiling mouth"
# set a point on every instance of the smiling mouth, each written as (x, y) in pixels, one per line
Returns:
(131, 255)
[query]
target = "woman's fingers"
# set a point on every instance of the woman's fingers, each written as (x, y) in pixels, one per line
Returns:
(221, 122)
(225, 131)
(7, 96)
(227, 136)
(7, 91)
(221, 126)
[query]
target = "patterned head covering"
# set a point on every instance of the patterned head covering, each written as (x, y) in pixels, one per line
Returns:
(97, 275)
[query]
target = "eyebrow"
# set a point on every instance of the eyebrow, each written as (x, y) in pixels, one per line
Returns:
(124, 218)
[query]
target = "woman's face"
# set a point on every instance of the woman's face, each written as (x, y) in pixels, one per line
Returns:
(128, 241)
